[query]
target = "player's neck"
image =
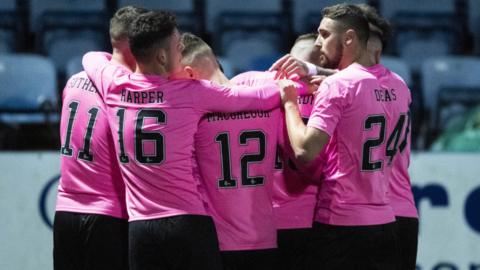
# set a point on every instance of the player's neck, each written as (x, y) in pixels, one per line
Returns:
(219, 77)
(359, 56)
(151, 69)
(124, 58)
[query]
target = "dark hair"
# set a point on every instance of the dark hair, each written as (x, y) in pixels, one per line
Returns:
(350, 17)
(121, 20)
(149, 31)
(381, 26)
(308, 36)
(194, 47)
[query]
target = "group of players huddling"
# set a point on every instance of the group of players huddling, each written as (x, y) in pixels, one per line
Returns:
(168, 164)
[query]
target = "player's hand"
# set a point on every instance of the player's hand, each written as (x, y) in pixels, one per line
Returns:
(289, 66)
(317, 80)
(311, 84)
(288, 91)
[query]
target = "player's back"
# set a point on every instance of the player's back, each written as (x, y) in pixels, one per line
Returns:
(293, 195)
(236, 155)
(351, 107)
(90, 176)
(398, 144)
(155, 119)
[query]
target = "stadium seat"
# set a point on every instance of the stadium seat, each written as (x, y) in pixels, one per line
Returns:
(389, 8)
(244, 32)
(457, 75)
(61, 46)
(473, 22)
(241, 48)
(10, 26)
(307, 13)
(417, 50)
(28, 89)
(67, 28)
(38, 9)
(74, 65)
(218, 8)
(190, 17)
(423, 29)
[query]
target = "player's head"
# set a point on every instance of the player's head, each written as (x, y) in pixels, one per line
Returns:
(198, 60)
(305, 49)
(119, 24)
(380, 31)
(155, 42)
(342, 35)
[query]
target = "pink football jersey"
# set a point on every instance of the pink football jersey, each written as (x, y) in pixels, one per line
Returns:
(90, 176)
(294, 196)
(155, 120)
(236, 155)
(401, 196)
(359, 115)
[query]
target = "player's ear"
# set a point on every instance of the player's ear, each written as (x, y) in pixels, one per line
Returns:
(349, 37)
(189, 71)
(161, 56)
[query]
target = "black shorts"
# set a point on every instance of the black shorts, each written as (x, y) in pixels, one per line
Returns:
(353, 247)
(179, 242)
(259, 259)
(293, 248)
(89, 241)
(407, 235)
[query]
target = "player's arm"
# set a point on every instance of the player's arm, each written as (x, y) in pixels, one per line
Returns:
(102, 72)
(290, 66)
(211, 97)
(306, 142)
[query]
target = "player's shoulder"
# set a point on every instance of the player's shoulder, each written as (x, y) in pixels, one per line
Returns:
(187, 84)
(77, 80)
(253, 76)
(396, 77)
(81, 74)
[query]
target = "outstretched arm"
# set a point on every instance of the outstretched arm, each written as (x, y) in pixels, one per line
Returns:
(102, 72)
(290, 66)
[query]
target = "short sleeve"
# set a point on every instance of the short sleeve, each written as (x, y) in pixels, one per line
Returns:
(328, 107)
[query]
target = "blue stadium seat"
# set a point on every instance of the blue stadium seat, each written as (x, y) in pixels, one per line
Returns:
(244, 32)
(74, 65)
(68, 27)
(218, 8)
(474, 22)
(38, 9)
(418, 50)
(28, 89)
(307, 13)
(389, 9)
(62, 45)
(185, 10)
(10, 26)
(423, 29)
(242, 47)
(455, 73)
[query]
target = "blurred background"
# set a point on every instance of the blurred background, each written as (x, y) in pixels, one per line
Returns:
(435, 48)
